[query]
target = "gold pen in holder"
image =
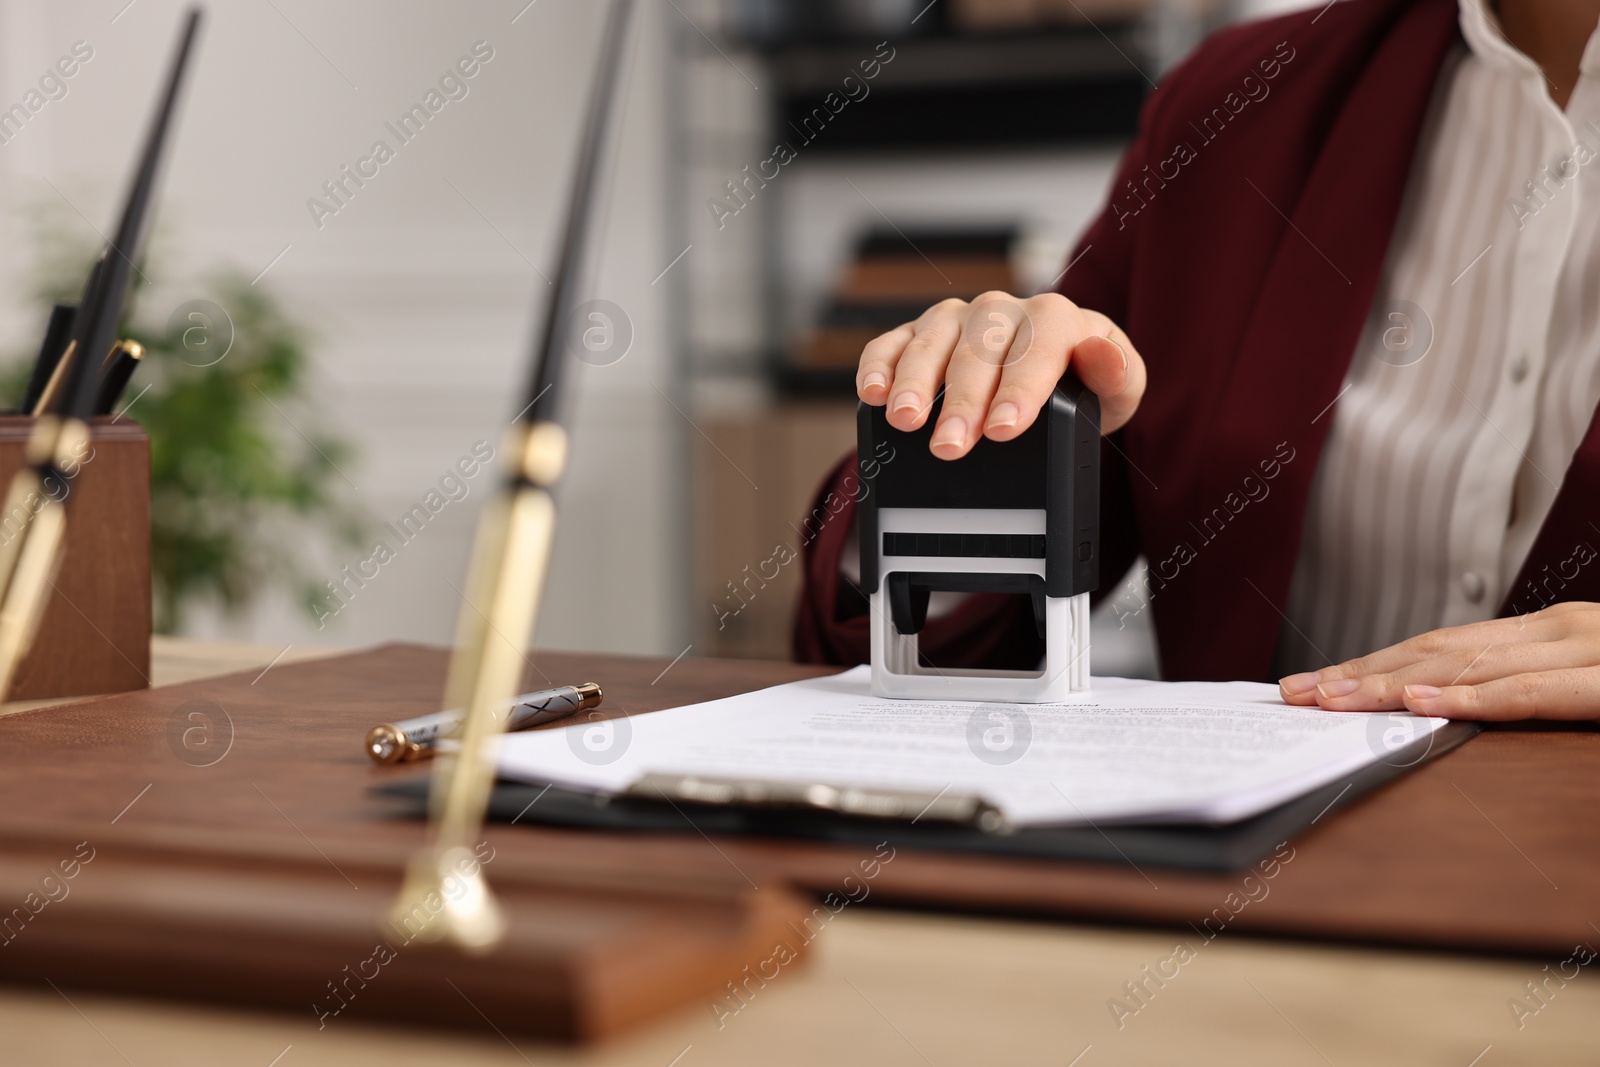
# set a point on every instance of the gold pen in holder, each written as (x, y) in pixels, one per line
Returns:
(419, 738)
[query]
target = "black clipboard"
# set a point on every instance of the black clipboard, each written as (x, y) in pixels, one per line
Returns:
(1220, 848)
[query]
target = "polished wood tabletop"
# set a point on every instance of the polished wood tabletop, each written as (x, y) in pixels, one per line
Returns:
(888, 986)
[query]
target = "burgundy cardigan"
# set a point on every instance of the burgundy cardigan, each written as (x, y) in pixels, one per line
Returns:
(1241, 248)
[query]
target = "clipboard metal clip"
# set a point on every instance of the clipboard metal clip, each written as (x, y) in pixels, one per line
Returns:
(907, 805)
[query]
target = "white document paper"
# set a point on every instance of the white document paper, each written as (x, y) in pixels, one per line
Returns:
(1125, 751)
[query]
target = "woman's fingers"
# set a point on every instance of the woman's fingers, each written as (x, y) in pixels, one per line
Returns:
(1462, 642)
(1124, 380)
(1434, 643)
(997, 359)
(985, 346)
(876, 371)
(1573, 693)
(1465, 667)
(1542, 665)
(1058, 334)
(1038, 357)
(919, 372)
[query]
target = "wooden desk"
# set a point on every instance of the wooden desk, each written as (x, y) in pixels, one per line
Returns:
(890, 987)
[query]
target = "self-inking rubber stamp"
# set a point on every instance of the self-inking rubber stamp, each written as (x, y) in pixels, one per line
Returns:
(1020, 516)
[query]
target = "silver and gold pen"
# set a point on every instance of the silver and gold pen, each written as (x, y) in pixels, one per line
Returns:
(419, 738)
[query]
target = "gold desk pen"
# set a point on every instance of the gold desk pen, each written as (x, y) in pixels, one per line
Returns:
(28, 559)
(445, 892)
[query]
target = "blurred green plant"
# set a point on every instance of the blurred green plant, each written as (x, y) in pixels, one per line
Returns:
(241, 475)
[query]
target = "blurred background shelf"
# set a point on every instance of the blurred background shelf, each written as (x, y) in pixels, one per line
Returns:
(1054, 87)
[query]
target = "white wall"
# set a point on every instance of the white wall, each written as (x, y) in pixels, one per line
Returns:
(423, 310)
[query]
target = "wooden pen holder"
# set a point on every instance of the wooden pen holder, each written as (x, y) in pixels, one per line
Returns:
(95, 633)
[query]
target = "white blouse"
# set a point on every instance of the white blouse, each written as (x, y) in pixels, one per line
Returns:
(1478, 371)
